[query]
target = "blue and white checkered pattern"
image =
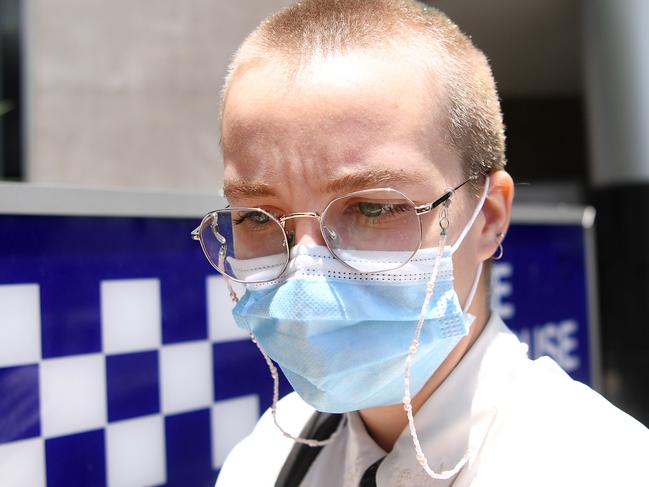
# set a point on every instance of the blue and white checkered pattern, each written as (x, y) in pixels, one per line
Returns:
(120, 364)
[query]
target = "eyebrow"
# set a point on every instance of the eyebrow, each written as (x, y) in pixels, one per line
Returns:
(242, 189)
(371, 178)
(347, 183)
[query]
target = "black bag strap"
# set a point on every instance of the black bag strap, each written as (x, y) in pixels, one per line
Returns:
(319, 427)
(369, 477)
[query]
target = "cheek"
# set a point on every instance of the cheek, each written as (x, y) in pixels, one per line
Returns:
(465, 264)
(430, 229)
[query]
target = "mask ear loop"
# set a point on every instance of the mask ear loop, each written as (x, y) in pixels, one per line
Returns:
(275, 375)
(474, 216)
(474, 288)
(456, 245)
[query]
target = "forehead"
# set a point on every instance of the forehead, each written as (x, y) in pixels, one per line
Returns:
(336, 116)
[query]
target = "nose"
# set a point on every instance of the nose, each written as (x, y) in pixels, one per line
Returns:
(305, 231)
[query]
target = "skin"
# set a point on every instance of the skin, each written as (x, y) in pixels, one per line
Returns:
(294, 144)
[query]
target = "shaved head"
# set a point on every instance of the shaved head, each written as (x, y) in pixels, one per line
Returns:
(299, 38)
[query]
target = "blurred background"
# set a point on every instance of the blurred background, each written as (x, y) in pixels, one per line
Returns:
(124, 95)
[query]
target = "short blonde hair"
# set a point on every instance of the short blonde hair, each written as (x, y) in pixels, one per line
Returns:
(295, 35)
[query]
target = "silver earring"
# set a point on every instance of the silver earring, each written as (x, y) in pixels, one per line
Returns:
(500, 236)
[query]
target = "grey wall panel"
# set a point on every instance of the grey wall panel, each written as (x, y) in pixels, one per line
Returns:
(125, 93)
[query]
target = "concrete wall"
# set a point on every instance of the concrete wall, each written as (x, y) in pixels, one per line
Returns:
(125, 93)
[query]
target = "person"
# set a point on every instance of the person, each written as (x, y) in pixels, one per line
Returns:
(363, 149)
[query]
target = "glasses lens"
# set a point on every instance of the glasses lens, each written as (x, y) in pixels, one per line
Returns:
(245, 243)
(373, 220)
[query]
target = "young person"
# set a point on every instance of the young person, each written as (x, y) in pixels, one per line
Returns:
(364, 166)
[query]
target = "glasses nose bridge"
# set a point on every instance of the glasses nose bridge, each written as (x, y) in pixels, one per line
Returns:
(300, 214)
(295, 235)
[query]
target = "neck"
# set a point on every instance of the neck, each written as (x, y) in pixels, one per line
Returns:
(386, 423)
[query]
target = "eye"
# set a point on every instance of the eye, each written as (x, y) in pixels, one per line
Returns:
(371, 209)
(256, 217)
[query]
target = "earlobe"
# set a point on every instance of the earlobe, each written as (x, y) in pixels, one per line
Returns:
(497, 213)
(500, 236)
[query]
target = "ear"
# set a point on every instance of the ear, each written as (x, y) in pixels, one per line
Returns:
(497, 212)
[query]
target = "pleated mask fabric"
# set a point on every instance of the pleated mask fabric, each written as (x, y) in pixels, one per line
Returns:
(340, 336)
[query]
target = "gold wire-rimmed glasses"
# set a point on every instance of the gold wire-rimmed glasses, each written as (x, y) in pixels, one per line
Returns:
(252, 245)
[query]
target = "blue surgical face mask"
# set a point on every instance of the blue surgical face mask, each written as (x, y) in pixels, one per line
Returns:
(342, 337)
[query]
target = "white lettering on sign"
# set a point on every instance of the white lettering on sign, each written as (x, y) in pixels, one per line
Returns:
(557, 340)
(501, 290)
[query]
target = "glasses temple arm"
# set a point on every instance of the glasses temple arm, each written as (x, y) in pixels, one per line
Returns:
(448, 194)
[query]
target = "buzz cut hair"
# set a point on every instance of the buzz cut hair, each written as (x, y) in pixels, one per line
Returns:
(310, 29)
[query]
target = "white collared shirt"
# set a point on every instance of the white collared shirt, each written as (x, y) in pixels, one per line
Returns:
(521, 422)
